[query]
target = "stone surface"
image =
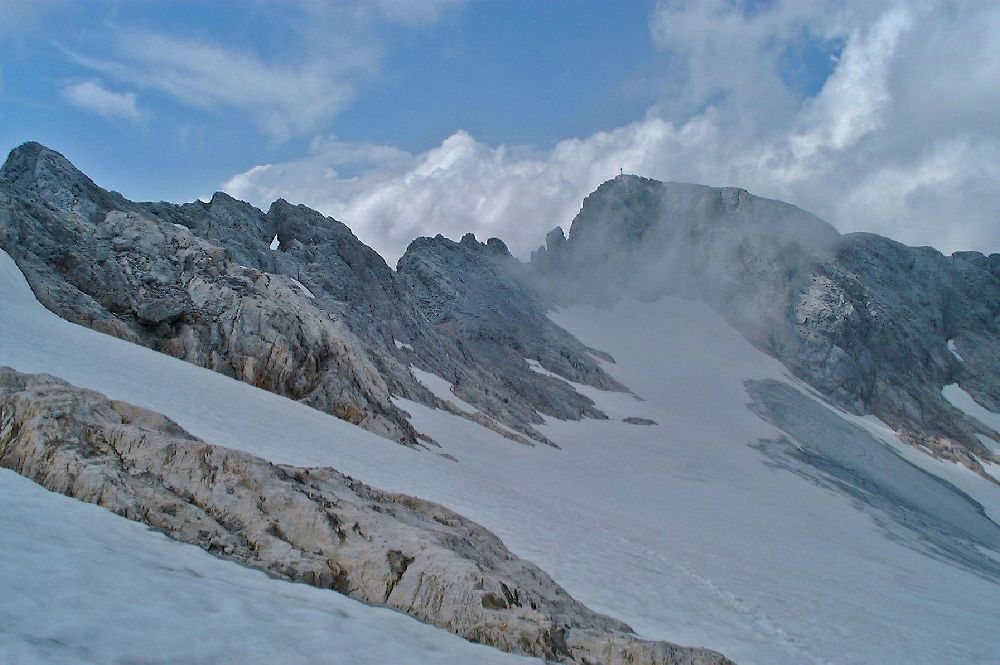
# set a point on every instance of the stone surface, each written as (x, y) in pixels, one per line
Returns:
(312, 525)
(863, 319)
(322, 319)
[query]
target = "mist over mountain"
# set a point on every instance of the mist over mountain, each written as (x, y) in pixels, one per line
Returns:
(839, 335)
(864, 320)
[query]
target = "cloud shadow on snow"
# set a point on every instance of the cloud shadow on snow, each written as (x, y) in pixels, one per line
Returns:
(914, 507)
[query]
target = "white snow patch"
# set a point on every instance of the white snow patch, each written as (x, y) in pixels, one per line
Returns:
(990, 444)
(401, 346)
(993, 470)
(441, 389)
(680, 530)
(275, 243)
(81, 584)
(954, 351)
(182, 227)
(307, 292)
(536, 367)
(964, 401)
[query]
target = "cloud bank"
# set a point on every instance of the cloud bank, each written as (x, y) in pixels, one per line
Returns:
(902, 137)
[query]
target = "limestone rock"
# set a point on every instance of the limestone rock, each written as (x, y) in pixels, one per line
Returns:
(323, 319)
(311, 525)
(863, 319)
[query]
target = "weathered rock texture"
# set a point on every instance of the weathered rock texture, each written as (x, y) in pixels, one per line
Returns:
(861, 318)
(312, 525)
(323, 319)
(478, 293)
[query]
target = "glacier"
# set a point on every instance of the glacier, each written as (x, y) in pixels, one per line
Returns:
(684, 529)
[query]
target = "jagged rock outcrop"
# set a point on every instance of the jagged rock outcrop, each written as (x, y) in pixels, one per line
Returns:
(478, 293)
(312, 525)
(130, 275)
(863, 319)
(321, 319)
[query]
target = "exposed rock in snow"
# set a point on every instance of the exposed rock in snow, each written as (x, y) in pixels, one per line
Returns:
(861, 318)
(312, 525)
(125, 269)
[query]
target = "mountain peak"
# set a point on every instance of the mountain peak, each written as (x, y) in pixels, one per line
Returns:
(46, 174)
(33, 159)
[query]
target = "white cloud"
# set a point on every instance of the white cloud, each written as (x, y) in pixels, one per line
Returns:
(413, 12)
(902, 139)
(283, 99)
(92, 96)
(330, 49)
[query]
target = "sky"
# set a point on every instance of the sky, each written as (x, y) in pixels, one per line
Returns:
(416, 117)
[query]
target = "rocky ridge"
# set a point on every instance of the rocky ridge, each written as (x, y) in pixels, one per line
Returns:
(311, 525)
(321, 318)
(863, 319)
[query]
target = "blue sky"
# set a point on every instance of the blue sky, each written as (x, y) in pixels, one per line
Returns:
(507, 72)
(405, 117)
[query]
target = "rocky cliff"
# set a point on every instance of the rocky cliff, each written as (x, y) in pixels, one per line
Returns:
(288, 300)
(864, 320)
(293, 302)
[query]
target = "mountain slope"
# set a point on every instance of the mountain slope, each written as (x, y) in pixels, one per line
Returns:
(861, 318)
(761, 509)
(312, 525)
(321, 318)
(682, 529)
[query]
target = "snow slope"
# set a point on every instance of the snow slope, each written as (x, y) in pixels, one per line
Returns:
(83, 585)
(964, 401)
(681, 529)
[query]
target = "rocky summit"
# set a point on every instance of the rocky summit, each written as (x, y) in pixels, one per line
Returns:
(291, 301)
(320, 318)
(862, 319)
(827, 327)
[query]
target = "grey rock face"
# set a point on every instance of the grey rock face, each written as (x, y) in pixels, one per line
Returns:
(861, 318)
(479, 293)
(323, 319)
(871, 332)
(312, 525)
(152, 283)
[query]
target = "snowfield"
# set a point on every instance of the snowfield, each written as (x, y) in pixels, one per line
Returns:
(682, 529)
(82, 585)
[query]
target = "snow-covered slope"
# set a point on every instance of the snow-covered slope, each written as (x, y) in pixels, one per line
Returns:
(681, 529)
(870, 323)
(81, 585)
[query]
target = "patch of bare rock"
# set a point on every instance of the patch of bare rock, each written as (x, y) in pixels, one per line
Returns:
(310, 525)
